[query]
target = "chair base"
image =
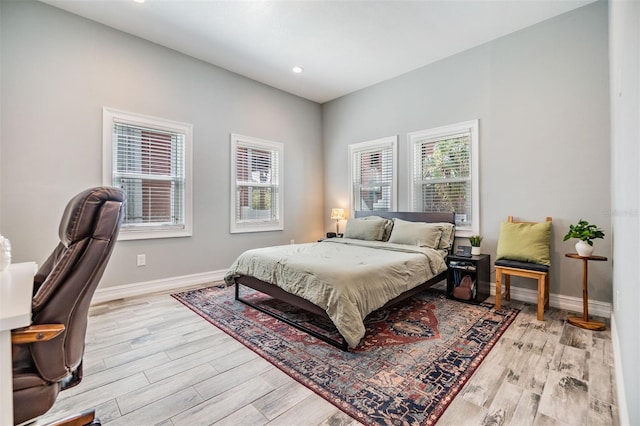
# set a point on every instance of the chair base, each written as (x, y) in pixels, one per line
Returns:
(540, 276)
(87, 417)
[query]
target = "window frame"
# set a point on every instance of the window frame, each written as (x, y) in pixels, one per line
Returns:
(445, 132)
(355, 148)
(110, 117)
(237, 227)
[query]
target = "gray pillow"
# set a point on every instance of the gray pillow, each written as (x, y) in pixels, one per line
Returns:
(448, 235)
(370, 230)
(415, 233)
(388, 225)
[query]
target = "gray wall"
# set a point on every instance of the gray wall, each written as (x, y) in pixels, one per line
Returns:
(625, 195)
(542, 97)
(59, 70)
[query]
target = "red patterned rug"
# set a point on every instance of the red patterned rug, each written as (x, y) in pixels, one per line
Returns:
(410, 365)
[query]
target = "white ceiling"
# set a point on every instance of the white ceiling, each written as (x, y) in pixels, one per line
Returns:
(343, 45)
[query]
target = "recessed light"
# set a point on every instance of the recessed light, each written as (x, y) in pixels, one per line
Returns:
(139, 1)
(297, 70)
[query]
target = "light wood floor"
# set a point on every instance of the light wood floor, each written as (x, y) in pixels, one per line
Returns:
(151, 361)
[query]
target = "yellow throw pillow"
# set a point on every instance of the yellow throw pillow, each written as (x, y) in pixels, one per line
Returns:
(525, 242)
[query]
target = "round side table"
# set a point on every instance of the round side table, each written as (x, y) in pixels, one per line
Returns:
(583, 321)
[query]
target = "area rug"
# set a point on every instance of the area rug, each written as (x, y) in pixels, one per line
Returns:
(413, 360)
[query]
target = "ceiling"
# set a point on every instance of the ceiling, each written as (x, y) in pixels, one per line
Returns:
(343, 46)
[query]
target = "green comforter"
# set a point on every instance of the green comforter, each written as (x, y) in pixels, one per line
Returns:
(347, 278)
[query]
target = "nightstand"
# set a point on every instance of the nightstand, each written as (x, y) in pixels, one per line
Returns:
(463, 270)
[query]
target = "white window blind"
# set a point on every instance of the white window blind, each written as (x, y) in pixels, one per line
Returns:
(445, 172)
(256, 185)
(149, 161)
(373, 175)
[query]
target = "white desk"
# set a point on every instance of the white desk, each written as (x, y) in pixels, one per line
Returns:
(16, 287)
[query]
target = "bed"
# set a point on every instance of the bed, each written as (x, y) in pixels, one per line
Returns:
(345, 279)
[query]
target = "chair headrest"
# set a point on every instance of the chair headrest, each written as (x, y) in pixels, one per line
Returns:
(79, 216)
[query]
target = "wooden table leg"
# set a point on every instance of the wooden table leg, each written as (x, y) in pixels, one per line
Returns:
(498, 289)
(585, 289)
(584, 321)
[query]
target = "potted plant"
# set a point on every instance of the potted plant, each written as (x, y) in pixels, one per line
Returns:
(585, 232)
(475, 241)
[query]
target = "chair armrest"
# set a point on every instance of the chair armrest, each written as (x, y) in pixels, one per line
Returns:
(36, 333)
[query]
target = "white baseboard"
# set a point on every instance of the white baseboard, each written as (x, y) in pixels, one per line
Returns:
(569, 303)
(623, 409)
(166, 284)
(107, 294)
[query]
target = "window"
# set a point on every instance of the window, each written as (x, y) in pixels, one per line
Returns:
(373, 175)
(256, 185)
(150, 158)
(445, 173)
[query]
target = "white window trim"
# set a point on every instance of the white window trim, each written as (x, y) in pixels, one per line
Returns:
(256, 227)
(111, 115)
(372, 144)
(443, 131)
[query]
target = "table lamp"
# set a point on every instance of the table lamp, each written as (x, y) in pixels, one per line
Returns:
(337, 215)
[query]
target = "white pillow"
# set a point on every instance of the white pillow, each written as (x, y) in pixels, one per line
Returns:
(415, 233)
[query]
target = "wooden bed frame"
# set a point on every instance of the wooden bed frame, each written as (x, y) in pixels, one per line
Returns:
(298, 302)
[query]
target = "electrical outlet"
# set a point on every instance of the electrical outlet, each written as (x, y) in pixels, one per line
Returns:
(292, 241)
(142, 260)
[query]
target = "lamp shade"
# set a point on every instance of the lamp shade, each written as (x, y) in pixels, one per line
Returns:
(337, 214)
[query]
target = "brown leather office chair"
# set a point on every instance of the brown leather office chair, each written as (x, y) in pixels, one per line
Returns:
(47, 356)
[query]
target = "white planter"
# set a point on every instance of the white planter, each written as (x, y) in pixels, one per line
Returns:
(584, 249)
(475, 250)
